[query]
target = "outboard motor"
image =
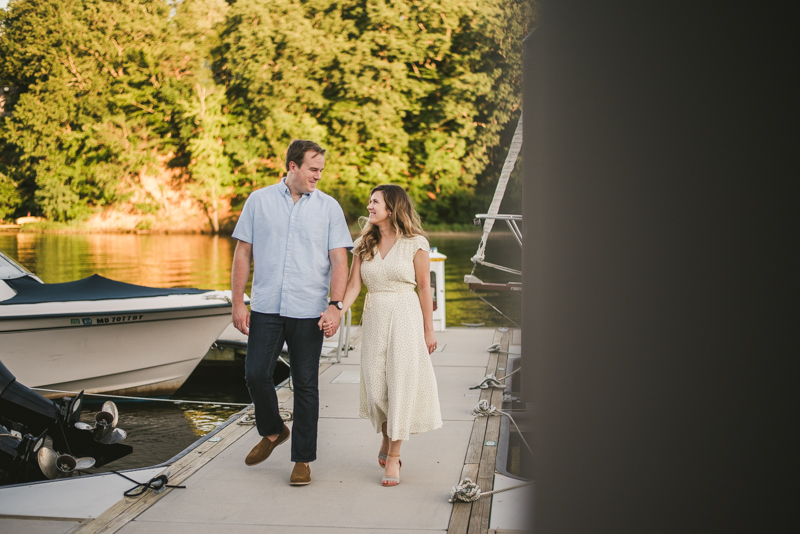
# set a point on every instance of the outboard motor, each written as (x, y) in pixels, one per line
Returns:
(71, 408)
(20, 403)
(27, 413)
(105, 428)
(18, 455)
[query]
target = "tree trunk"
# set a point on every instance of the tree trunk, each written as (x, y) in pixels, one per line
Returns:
(214, 211)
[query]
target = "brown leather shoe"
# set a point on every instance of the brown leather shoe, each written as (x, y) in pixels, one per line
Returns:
(264, 448)
(301, 474)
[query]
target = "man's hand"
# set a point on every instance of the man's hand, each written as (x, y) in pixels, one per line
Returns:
(241, 318)
(329, 321)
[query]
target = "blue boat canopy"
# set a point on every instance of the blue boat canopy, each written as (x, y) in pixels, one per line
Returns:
(95, 287)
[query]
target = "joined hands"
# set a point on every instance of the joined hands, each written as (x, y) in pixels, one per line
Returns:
(329, 321)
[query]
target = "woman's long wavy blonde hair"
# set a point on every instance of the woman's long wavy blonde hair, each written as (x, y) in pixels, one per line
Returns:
(402, 215)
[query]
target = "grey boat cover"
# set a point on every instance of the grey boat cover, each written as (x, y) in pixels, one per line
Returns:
(95, 287)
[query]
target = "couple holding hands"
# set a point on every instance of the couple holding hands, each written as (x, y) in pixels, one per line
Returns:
(297, 239)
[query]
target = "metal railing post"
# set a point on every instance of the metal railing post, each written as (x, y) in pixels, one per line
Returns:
(344, 335)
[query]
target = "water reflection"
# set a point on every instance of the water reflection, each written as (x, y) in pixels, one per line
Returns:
(155, 260)
(205, 262)
(157, 431)
(206, 418)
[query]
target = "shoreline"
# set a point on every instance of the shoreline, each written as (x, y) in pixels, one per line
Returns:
(457, 230)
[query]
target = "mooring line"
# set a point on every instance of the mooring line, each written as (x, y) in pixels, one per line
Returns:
(173, 401)
(493, 307)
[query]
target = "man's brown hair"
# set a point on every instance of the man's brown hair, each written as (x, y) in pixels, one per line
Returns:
(297, 151)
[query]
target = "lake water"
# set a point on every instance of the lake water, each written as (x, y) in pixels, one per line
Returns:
(205, 262)
(159, 430)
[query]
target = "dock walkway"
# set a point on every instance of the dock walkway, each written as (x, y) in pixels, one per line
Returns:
(223, 494)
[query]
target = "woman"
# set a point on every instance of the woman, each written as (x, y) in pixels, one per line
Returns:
(398, 386)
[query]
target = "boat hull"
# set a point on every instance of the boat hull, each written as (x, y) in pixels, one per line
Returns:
(141, 352)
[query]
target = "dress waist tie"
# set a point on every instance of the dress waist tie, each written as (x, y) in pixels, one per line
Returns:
(367, 303)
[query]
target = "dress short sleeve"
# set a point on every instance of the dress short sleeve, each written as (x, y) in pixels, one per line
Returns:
(355, 244)
(420, 243)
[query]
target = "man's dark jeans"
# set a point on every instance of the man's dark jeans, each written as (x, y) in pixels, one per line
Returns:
(304, 339)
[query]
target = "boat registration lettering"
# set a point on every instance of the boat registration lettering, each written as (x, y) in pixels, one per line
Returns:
(118, 319)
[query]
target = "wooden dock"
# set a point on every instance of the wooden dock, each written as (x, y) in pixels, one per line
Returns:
(345, 495)
(479, 462)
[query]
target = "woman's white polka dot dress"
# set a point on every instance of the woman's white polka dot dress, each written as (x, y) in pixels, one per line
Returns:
(398, 384)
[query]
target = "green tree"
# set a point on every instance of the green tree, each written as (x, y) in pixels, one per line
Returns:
(197, 23)
(9, 197)
(414, 92)
(269, 60)
(97, 84)
(209, 167)
(410, 92)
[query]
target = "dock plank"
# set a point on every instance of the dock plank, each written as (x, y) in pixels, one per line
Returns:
(129, 508)
(459, 519)
(481, 509)
(489, 454)
(476, 441)
(473, 518)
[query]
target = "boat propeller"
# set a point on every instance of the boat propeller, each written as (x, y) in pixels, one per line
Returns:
(72, 407)
(55, 465)
(105, 425)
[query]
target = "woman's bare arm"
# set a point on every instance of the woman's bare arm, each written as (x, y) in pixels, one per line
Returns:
(353, 285)
(422, 270)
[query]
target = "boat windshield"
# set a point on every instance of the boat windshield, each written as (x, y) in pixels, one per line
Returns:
(9, 269)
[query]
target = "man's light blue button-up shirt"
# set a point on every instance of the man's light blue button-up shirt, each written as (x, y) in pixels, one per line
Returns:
(292, 270)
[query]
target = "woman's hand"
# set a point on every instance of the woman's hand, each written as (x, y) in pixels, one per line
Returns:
(430, 341)
(328, 328)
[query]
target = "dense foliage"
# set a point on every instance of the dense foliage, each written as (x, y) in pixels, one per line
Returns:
(412, 92)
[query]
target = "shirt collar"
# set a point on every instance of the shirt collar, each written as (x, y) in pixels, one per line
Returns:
(285, 188)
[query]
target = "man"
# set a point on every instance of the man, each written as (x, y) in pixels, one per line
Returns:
(298, 239)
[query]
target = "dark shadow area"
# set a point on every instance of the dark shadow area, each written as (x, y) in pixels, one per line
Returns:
(655, 308)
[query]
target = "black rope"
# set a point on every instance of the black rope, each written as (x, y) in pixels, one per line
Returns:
(155, 483)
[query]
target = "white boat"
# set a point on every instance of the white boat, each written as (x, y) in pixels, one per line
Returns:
(104, 336)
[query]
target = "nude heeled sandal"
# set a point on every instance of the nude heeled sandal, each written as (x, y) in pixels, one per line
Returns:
(385, 481)
(382, 459)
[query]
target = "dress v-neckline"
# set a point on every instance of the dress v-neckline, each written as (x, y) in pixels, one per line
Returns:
(383, 258)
